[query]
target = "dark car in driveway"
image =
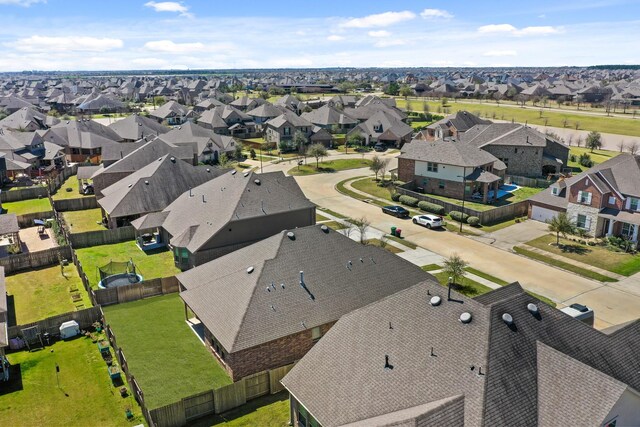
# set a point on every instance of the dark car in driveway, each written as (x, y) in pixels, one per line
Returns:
(397, 211)
(380, 147)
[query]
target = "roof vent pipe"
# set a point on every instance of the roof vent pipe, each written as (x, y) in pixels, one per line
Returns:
(465, 317)
(435, 301)
(203, 199)
(533, 309)
(506, 318)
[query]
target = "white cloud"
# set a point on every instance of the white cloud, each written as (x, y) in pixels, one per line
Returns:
(436, 13)
(381, 33)
(169, 46)
(526, 31)
(500, 53)
(169, 6)
(335, 38)
(380, 20)
(23, 3)
(389, 43)
(61, 44)
(149, 62)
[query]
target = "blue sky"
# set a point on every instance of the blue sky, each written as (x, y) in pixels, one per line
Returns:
(122, 35)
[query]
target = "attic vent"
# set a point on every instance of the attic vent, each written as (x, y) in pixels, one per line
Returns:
(233, 172)
(208, 170)
(139, 124)
(159, 159)
(465, 317)
(173, 159)
(130, 185)
(506, 318)
(257, 181)
(268, 289)
(246, 174)
(291, 235)
(435, 301)
(146, 182)
(250, 270)
(324, 228)
(533, 309)
(282, 285)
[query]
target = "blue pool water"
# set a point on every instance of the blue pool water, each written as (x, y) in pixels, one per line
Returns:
(508, 187)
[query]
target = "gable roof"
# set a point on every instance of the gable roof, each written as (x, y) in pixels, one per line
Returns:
(136, 127)
(328, 116)
(22, 118)
(447, 152)
(199, 138)
(512, 134)
(291, 118)
(84, 134)
(169, 109)
(241, 313)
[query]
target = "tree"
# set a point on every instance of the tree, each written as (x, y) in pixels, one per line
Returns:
(392, 89)
(300, 140)
(223, 160)
(252, 153)
(384, 164)
(406, 91)
(318, 151)
(454, 267)
(621, 145)
(159, 100)
(561, 224)
(633, 147)
(237, 153)
(361, 224)
(594, 141)
(354, 139)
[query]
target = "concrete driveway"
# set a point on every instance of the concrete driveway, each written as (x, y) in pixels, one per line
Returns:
(514, 235)
(613, 305)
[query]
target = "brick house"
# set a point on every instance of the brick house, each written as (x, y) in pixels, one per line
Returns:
(383, 128)
(284, 127)
(603, 201)
(451, 169)
(266, 305)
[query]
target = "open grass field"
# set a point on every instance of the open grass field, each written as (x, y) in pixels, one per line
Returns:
(86, 396)
(42, 293)
(597, 256)
(329, 166)
(163, 353)
(82, 221)
(531, 115)
(27, 206)
(151, 265)
(266, 411)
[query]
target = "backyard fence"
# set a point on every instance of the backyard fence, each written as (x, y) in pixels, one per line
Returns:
(101, 237)
(31, 260)
(220, 400)
(493, 215)
(51, 325)
(136, 291)
(78, 204)
(527, 182)
(34, 192)
(26, 220)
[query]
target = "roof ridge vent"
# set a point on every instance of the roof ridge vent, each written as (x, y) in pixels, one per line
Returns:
(465, 317)
(507, 318)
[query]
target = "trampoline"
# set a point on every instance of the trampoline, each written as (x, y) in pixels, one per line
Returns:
(117, 274)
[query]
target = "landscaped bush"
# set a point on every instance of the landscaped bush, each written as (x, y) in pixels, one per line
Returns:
(473, 221)
(585, 160)
(395, 197)
(408, 200)
(398, 183)
(458, 216)
(431, 207)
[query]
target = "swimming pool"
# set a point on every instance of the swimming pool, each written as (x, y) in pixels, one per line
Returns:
(509, 188)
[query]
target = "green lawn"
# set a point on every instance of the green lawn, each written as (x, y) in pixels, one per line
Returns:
(335, 225)
(561, 264)
(27, 206)
(151, 265)
(63, 194)
(370, 186)
(42, 293)
(86, 396)
(336, 214)
(387, 246)
(167, 359)
(320, 217)
(329, 166)
(431, 267)
(82, 221)
(523, 193)
(487, 276)
(531, 115)
(597, 256)
(466, 286)
(598, 156)
(402, 241)
(266, 411)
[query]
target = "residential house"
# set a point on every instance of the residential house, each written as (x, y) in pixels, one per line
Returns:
(279, 296)
(244, 103)
(82, 139)
(602, 201)
(29, 153)
(331, 119)
(151, 189)
(100, 103)
(4, 322)
(264, 113)
(452, 169)
(385, 129)
(451, 126)
(525, 151)
(136, 127)
(230, 212)
(207, 145)
(284, 127)
(171, 113)
(29, 120)
(421, 357)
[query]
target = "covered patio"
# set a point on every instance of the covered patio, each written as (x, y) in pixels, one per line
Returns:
(148, 236)
(619, 223)
(484, 185)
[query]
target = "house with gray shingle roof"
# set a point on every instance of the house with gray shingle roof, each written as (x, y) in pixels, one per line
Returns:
(383, 128)
(136, 127)
(277, 297)
(171, 113)
(206, 144)
(504, 358)
(4, 321)
(28, 119)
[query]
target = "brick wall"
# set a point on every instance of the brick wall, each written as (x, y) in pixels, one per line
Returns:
(586, 185)
(526, 161)
(272, 354)
(406, 169)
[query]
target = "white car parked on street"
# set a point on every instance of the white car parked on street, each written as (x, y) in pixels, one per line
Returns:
(429, 221)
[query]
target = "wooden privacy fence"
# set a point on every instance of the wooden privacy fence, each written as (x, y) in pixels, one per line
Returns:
(35, 192)
(101, 237)
(79, 204)
(85, 319)
(221, 399)
(495, 214)
(26, 220)
(136, 291)
(26, 261)
(528, 182)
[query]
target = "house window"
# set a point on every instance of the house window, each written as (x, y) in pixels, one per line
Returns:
(633, 204)
(627, 229)
(287, 131)
(584, 197)
(441, 184)
(302, 420)
(316, 333)
(554, 191)
(432, 167)
(504, 160)
(612, 200)
(583, 222)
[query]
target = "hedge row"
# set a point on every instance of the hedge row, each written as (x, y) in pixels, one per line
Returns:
(431, 207)
(408, 200)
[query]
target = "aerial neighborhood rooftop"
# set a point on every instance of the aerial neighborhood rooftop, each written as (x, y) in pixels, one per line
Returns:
(360, 243)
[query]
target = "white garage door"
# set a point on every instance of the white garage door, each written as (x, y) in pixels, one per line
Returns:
(542, 214)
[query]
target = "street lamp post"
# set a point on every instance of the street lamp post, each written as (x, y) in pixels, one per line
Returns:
(464, 190)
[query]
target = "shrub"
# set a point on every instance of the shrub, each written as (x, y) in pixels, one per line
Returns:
(395, 197)
(585, 160)
(398, 183)
(408, 200)
(458, 216)
(431, 207)
(473, 221)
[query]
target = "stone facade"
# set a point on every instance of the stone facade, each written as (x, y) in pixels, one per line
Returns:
(522, 161)
(594, 224)
(270, 355)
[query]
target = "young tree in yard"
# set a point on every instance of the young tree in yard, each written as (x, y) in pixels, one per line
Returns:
(406, 91)
(252, 153)
(384, 164)
(300, 140)
(376, 165)
(237, 153)
(223, 160)
(561, 224)
(318, 151)
(454, 266)
(361, 224)
(621, 145)
(633, 147)
(594, 141)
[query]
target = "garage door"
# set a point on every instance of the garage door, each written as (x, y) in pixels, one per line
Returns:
(542, 214)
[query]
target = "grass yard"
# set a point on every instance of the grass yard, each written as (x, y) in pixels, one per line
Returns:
(335, 225)
(385, 245)
(42, 293)
(597, 256)
(320, 217)
(27, 206)
(598, 156)
(431, 267)
(487, 276)
(266, 411)
(151, 265)
(72, 183)
(336, 214)
(466, 286)
(82, 221)
(163, 353)
(370, 186)
(563, 265)
(523, 193)
(329, 166)
(86, 396)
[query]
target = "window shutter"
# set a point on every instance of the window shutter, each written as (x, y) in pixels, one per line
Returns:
(587, 222)
(589, 198)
